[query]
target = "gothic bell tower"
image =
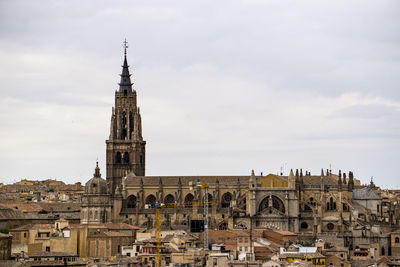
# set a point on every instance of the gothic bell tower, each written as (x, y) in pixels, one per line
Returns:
(125, 147)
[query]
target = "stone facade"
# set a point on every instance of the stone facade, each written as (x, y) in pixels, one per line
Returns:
(333, 207)
(126, 148)
(96, 201)
(5, 246)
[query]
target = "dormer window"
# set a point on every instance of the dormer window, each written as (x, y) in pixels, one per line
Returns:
(94, 185)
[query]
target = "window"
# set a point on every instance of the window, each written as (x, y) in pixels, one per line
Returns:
(331, 205)
(131, 202)
(397, 240)
(126, 158)
(67, 233)
(226, 200)
(25, 235)
(169, 200)
(330, 226)
(48, 249)
(128, 254)
(304, 225)
(118, 157)
(189, 200)
(150, 199)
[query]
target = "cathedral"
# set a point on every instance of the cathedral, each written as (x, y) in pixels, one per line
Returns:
(323, 205)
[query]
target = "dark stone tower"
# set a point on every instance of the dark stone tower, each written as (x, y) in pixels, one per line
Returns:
(126, 148)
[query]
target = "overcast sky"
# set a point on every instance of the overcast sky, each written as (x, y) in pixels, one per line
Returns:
(224, 87)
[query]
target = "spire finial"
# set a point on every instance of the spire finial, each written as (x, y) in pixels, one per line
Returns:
(125, 44)
(97, 170)
(125, 84)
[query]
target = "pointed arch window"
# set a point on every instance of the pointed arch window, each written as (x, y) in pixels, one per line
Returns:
(226, 200)
(209, 200)
(277, 204)
(126, 158)
(151, 200)
(169, 200)
(331, 204)
(189, 200)
(131, 125)
(131, 202)
(118, 158)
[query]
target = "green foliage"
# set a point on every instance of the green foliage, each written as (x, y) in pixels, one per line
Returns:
(4, 230)
(304, 243)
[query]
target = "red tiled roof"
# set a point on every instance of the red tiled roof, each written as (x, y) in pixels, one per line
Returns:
(25, 207)
(116, 234)
(115, 226)
(284, 232)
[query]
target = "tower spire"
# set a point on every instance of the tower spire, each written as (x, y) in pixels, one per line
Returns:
(125, 46)
(125, 84)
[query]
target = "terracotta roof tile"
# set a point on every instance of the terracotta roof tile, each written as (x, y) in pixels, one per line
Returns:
(116, 234)
(24, 207)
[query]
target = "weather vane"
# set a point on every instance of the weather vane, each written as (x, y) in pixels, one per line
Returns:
(125, 45)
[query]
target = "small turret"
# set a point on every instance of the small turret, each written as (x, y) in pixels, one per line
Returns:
(344, 178)
(351, 182)
(252, 180)
(340, 180)
(291, 180)
(137, 131)
(141, 183)
(301, 181)
(97, 170)
(371, 184)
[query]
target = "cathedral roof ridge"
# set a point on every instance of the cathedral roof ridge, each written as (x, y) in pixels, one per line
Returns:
(173, 180)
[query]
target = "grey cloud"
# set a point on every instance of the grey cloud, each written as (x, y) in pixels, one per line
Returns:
(224, 86)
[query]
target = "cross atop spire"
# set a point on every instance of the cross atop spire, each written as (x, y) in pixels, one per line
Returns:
(125, 43)
(125, 84)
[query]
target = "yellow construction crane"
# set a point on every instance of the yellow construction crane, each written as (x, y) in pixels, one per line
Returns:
(158, 208)
(158, 236)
